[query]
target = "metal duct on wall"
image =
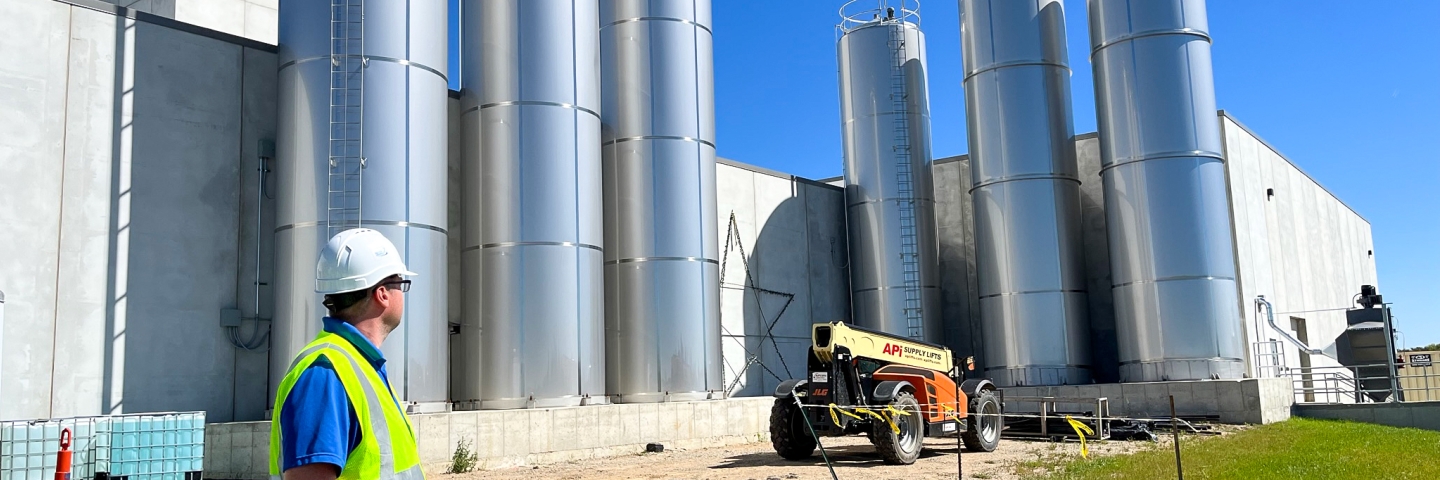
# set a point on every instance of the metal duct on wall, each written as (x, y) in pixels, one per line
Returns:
(662, 285)
(383, 108)
(889, 194)
(1176, 305)
(534, 284)
(1026, 193)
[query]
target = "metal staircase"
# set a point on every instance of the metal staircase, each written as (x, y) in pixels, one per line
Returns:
(905, 183)
(347, 115)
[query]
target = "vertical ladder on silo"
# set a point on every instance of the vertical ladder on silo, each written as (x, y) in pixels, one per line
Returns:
(905, 183)
(347, 115)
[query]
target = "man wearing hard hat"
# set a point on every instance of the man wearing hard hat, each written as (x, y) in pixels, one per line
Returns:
(335, 415)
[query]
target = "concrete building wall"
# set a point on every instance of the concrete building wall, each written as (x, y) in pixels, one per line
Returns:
(123, 213)
(253, 19)
(959, 290)
(1302, 247)
(1104, 347)
(455, 242)
(794, 273)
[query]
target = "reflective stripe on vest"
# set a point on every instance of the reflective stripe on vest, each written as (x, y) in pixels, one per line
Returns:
(376, 456)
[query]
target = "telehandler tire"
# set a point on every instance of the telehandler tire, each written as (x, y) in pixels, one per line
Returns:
(904, 447)
(984, 424)
(788, 432)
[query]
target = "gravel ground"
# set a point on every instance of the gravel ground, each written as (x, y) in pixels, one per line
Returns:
(853, 457)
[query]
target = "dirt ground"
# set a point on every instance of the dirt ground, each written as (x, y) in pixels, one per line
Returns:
(853, 458)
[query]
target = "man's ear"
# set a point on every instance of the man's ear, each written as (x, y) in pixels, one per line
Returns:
(381, 296)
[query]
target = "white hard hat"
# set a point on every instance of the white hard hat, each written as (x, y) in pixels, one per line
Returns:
(357, 259)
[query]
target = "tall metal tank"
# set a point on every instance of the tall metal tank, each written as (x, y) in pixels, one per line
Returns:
(534, 284)
(380, 118)
(1026, 192)
(889, 191)
(1176, 306)
(662, 279)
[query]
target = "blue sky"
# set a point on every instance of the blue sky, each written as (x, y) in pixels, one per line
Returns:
(1348, 90)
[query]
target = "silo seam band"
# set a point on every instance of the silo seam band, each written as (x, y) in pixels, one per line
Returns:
(1016, 178)
(1174, 279)
(661, 19)
(381, 223)
(1030, 292)
(400, 61)
(658, 137)
(1018, 63)
(854, 118)
(1172, 360)
(663, 259)
(531, 102)
(532, 244)
(1163, 156)
(1038, 366)
(1150, 33)
(876, 289)
(892, 199)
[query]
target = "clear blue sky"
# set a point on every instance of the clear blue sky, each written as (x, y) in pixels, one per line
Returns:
(1349, 90)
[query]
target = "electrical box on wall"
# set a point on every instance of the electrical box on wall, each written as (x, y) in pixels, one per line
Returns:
(230, 317)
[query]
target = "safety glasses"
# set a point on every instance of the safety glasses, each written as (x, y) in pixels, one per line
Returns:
(401, 285)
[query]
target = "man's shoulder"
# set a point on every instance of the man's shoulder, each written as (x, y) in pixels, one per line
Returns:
(320, 372)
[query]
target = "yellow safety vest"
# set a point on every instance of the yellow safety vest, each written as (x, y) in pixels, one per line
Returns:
(387, 447)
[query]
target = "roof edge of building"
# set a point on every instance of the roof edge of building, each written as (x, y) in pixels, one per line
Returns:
(1226, 115)
(133, 14)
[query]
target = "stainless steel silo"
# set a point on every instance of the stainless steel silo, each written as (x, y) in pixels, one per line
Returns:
(889, 192)
(662, 285)
(1173, 265)
(530, 101)
(1026, 192)
(380, 117)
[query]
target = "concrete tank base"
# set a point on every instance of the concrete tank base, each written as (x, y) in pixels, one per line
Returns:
(1251, 400)
(537, 436)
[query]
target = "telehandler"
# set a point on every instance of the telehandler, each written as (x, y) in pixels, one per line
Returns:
(895, 390)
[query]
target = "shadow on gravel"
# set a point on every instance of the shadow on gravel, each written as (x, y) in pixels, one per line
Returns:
(861, 456)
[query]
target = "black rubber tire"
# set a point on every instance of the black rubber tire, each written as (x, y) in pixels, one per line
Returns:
(788, 433)
(902, 448)
(983, 431)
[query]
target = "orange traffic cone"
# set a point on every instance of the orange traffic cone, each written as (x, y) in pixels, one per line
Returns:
(62, 460)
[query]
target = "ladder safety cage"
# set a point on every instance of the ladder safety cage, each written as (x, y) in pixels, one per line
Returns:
(905, 182)
(347, 116)
(858, 13)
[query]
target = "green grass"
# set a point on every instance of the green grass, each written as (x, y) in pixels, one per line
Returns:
(1295, 449)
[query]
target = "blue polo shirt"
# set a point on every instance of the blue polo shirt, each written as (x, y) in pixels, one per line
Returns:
(317, 422)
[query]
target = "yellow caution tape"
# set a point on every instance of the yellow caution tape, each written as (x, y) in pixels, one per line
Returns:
(881, 417)
(835, 418)
(1081, 429)
(954, 416)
